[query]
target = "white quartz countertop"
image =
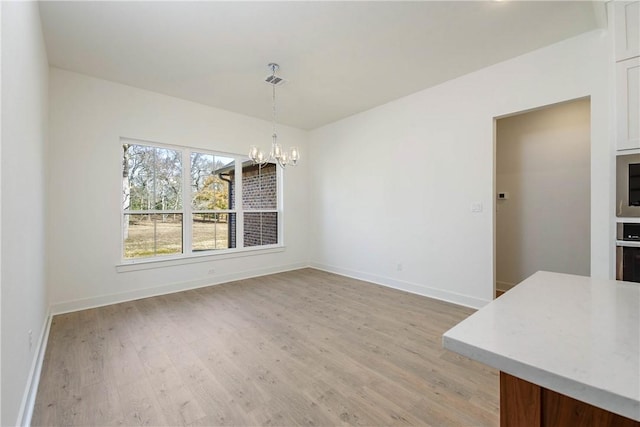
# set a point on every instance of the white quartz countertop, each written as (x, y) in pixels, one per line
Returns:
(575, 335)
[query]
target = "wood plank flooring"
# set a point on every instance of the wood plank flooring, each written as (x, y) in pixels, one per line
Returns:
(304, 347)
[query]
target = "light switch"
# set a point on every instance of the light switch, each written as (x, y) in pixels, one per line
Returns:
(476, 207)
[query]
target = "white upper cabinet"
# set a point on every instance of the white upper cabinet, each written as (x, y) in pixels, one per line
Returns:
(627, 49)
(628, 104)
(627, 29)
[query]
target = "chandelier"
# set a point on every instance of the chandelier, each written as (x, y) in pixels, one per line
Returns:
(277, 153)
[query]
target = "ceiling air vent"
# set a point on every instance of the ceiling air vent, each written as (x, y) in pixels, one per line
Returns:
(272, 79)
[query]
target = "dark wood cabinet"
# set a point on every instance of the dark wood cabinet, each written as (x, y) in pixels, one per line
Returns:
(524, 404)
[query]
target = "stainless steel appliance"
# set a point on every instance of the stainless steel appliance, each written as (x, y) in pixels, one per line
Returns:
(628, 252)
(628, 185)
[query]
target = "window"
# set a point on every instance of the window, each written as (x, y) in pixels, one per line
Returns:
(212, 202)
(152, 201)
(260, 203)
(224, 203)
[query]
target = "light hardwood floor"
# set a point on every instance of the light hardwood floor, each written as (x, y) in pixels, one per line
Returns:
(298, 348)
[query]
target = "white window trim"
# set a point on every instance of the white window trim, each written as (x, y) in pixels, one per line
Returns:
(188, 256)
(171, 261)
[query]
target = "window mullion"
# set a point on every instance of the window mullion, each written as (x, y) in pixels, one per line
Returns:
(238, 204)
(187, 217)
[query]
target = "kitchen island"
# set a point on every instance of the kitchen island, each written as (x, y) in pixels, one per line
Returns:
(567, 347)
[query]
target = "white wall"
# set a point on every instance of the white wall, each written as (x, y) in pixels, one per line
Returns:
(87, 118)
(24, 137)
(395, 185)
(543, 163)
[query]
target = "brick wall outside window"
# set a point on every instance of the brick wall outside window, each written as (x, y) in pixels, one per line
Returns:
(259, 191)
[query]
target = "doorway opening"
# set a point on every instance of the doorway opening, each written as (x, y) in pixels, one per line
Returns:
(543, 192)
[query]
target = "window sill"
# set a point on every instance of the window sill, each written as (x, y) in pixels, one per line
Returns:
(148, 264)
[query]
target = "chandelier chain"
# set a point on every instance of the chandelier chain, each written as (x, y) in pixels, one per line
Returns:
(273, 98)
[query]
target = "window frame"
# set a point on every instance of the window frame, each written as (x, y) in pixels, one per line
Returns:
(188, 255)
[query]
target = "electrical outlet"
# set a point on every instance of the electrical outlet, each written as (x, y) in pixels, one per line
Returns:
(399, 267)
(30, 339)
(212, 271)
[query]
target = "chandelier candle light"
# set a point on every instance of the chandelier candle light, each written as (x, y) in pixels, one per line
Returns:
(277, 154)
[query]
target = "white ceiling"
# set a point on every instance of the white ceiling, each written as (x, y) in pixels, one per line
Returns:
(340, 58)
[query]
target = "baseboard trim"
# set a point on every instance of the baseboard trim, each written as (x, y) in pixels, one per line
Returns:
(87, 303)
(29, 398)
(414, 288)
(504, 286)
